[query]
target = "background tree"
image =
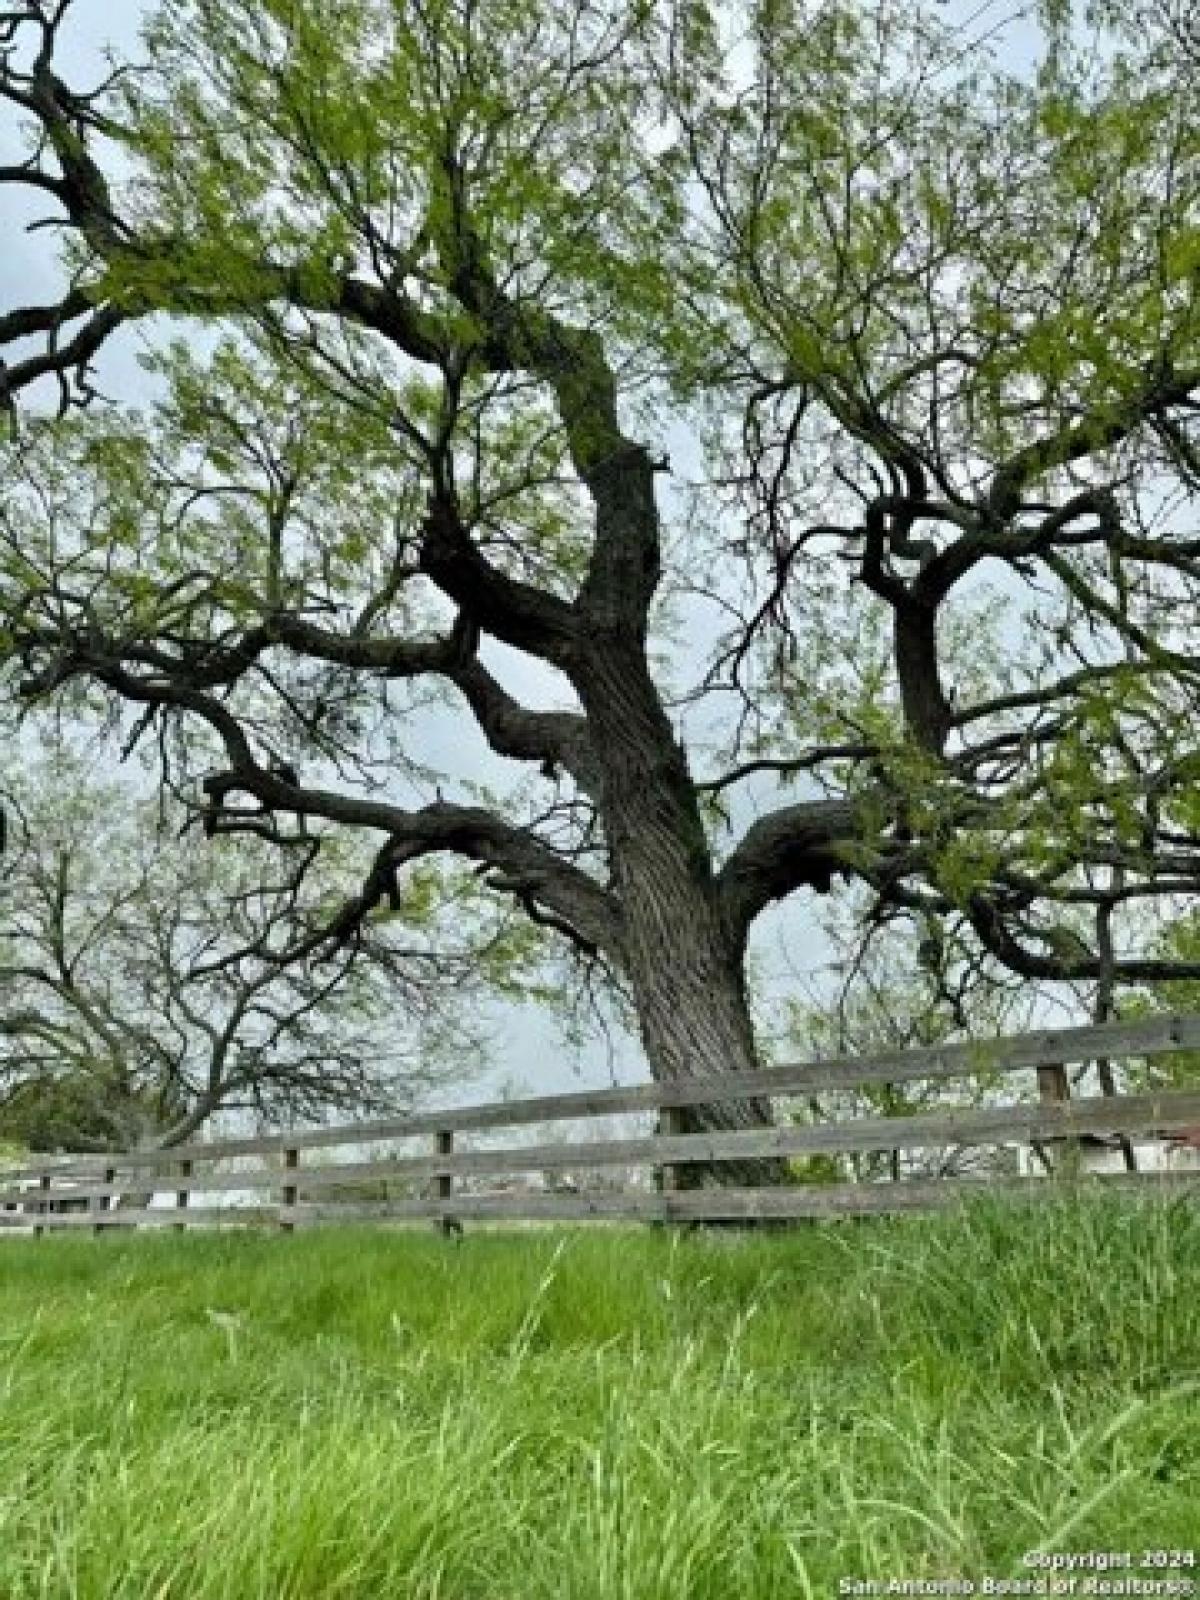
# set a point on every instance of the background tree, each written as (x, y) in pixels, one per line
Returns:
(892, 993)
(148, 982)
(464, 264)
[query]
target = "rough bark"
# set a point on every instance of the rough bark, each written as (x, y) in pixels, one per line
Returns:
(682, 960)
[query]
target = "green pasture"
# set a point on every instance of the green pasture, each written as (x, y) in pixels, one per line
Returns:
(603, 1415)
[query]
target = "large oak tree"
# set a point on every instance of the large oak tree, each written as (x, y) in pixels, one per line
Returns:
(473, 277)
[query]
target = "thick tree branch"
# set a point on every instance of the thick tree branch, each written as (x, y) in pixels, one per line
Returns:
(996, 937)
(625, 565)
(520, 615)
(1078, 440)
(554, 738)
(551, 890)
(469, 832)
(796, 847)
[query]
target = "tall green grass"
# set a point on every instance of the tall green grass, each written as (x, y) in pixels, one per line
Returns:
(610, 1415)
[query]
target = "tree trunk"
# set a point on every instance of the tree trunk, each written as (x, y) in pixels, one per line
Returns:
(683, 964)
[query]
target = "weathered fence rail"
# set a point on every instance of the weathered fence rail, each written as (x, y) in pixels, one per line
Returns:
(51, 1194)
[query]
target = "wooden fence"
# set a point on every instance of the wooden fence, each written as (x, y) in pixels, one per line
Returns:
(83, 1192)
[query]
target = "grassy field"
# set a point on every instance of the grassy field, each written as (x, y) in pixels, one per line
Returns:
(596, 1416)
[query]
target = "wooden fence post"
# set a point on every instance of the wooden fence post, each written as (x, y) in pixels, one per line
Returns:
(1055, 1089)
(102, 1201)
(890, 1098)
(181, 1195)
(1108, 1088)
(1052, 1084)
(42, 1205)
(444, 1139)
(666, 1174)
(670, 1123)
(291, 1160)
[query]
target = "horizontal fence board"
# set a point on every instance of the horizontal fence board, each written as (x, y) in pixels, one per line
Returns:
(813, 1201)
(1046, 1047)
(65, 1167)
(165, 1183)
(715, 1205)
(165, 1216)
(531, 1207)
(1165, 1110)
(875, 1199)
(161, 1183)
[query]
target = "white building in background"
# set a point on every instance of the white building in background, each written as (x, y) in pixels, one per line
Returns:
(1105, 1155)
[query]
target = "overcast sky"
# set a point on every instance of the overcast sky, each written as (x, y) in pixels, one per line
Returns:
(785, 943)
